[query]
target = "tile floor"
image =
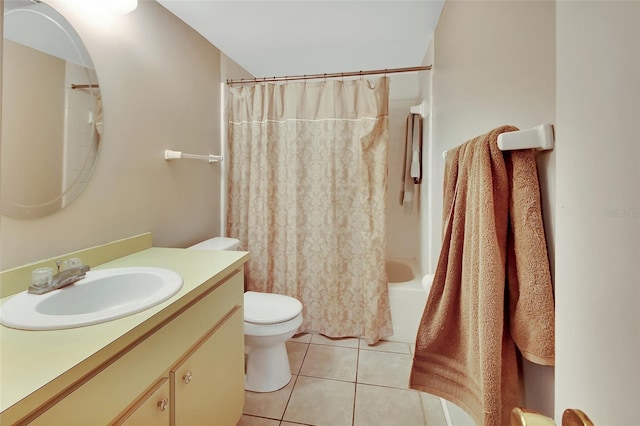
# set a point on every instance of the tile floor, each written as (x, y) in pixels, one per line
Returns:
(346, 382)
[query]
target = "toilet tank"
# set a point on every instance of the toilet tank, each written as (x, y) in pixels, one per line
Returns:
(218, 243)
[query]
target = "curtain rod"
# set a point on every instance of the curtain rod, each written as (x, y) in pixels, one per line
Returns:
(84, 86)
(331, 75)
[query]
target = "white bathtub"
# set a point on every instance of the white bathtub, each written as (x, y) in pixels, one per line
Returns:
(407, 298)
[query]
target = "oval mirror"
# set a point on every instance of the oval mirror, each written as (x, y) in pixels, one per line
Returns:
(51, 111)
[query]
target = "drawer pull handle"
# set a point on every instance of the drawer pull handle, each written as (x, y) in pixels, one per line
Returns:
(163, 404)
(187, 377)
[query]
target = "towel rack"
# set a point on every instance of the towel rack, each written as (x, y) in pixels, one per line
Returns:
(421, 109)
(540, 137)
(174, 155)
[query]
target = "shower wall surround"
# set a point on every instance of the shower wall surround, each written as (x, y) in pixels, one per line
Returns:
(402, 227)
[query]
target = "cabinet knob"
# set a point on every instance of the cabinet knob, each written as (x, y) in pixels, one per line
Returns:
(187, 377)
(163, 404)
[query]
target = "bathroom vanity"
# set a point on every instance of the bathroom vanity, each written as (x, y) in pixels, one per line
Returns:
(178, 363)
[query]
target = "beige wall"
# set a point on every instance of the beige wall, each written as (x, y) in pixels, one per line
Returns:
(494, 64)
(598, 213)
(33, 134)
(161, 84)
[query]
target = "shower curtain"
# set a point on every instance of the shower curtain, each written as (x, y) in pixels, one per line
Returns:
(307, 192)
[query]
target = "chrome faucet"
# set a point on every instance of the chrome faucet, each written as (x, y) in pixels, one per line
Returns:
(61, 279)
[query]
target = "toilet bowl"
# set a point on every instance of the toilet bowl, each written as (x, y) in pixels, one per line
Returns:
(269, 321)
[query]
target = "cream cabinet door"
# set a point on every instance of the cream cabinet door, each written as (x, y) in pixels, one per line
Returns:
(208, 383)
(152, 409)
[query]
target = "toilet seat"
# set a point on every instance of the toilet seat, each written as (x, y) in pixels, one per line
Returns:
(270, 308)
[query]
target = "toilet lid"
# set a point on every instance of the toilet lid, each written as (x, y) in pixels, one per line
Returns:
(269, 308)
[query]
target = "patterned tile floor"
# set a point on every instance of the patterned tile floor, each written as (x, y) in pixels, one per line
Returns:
(345, 382)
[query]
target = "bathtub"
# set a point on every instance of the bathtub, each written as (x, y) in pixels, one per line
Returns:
(407, 297)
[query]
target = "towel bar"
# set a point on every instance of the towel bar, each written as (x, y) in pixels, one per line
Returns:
(174, 155)
(421, 109)
(540, 137)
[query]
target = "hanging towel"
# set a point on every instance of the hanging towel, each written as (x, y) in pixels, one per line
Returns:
(411, 170)
(416, 149)
(406, 194)
(492, 287)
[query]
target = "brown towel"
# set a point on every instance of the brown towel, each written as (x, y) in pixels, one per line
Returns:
(411, 169)
(492, 285)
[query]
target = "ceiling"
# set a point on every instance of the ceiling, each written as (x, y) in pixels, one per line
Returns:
(297, 37)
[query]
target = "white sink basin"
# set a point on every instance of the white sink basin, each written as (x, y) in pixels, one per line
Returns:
(104, 295)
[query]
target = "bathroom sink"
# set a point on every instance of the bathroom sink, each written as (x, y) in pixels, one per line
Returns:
(102, 296)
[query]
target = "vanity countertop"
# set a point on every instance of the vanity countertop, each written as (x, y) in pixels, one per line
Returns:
(44, 362)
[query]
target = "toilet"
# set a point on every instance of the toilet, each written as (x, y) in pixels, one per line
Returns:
(269, 321)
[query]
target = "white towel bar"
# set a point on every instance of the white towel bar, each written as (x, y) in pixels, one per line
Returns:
(539, 137)
(174, 155)
(422, 109)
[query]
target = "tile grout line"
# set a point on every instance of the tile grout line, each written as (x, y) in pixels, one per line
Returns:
(288, 399)
(355, 386)
(293, 388)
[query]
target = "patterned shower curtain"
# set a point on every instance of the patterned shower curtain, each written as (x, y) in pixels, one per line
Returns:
(307, 196)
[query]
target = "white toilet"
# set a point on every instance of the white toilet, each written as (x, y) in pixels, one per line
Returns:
(269, 321)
